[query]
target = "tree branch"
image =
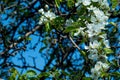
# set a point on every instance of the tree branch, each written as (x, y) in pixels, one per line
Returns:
(25, 66)
(20, 40)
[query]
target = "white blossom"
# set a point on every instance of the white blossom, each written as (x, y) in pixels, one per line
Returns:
(94, 29)
(95, 0)
(104, 3)
(43, 19)
(106, 43)
(50, 15)
(78, 2)
(94, 44)
(93, 56)
(46, 6)
(98, 66)
(104, 66)
(80, 30)
(104, 36)
(41, 11)
(46, 16)
(86, 2)
(91, 8)
(93, 19)
(96, 71)
(100, 15)
(95, 74)
(69, 22)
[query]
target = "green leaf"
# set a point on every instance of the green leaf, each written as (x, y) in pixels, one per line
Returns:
(117, 74)
(59, 20)
(56, 74)
(22, 77)
(14, 73)
(57, 2)
(86, 78)
(58, 23)
(114, 63)
(31, 73)
(83, 53)
(71, 28)
(47, 27)
(44, 74)
(114, 24)
(28, 38)
(114, 3)
(65, 73)
(108, 50)
(70, 3)
(104, 74)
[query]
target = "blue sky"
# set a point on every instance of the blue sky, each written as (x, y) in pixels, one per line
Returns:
(30, 53)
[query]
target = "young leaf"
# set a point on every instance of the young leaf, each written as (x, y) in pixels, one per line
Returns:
(14, 73)
(47, 27)
(28, 38)
(115, 74)
(108, 50)
(86, 78)
(57, 2)
(31, 73)
(114, 3)
(44, 74)
(70, 3)
(70, 28)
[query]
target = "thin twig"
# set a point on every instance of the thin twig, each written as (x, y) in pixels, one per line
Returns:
(74, 43)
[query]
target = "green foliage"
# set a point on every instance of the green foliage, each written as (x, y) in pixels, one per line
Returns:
(108, 50)
(73, 27)
(114, 3)
(58, 23)
(57, 2)
(70, 3)
(112, 23)
(44, 74)
(82, 11)
(22, 77)
(28, 38)
(14, 74)
(117, 74)
(29, 75)
(47, 27)
(87, 78)
(114, 63)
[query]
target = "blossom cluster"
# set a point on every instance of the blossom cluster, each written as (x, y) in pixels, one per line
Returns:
(94, 28)
(46, 16)
(88, 2)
